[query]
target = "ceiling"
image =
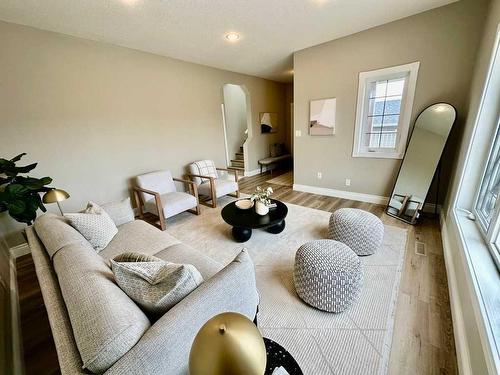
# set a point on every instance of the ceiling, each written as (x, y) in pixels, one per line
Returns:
(193, 30)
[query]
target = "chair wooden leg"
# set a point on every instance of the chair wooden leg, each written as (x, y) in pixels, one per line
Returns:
(163, 224)
(214, 195)
(138, 202)
(196, 210)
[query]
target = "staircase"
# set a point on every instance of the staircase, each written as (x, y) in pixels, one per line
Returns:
(239, 161)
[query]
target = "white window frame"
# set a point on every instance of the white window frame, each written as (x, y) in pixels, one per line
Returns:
(365, 78)
(480, 259)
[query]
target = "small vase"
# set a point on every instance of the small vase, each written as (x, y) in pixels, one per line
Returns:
(261, 208)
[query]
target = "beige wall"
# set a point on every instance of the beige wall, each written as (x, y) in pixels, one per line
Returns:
(95, 115)
(444, 40)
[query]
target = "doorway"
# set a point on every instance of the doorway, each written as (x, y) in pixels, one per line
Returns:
(236, 120)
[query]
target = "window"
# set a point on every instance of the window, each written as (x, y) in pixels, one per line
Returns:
(487, 207)
(385, 101)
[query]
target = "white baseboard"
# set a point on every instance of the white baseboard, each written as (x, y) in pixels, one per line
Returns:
(462, 350)
(362, 197)
(252, 173)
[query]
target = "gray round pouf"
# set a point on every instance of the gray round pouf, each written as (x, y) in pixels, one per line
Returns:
(362, 231)
(327, 275)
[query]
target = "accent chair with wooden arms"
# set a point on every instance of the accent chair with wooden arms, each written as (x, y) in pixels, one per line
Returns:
(156, 193)
(210, 185)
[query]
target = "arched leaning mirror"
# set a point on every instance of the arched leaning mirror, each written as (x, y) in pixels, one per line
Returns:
(427, 142)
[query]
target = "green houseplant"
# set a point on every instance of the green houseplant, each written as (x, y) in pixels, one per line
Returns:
(20, 195)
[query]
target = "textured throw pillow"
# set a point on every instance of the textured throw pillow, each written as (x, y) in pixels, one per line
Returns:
(206, 168)
(95, 225)
(154, 284)
(120, 212)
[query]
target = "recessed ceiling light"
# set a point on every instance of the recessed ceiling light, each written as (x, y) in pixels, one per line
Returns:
(232, 36)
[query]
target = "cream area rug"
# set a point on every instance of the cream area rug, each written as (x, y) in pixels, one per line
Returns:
(357, 341)
(285, 179)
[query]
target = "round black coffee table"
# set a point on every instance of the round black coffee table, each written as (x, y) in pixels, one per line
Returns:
(278, 356)
(243, 221)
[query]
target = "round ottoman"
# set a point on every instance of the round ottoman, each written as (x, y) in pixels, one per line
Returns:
(362, 231)
(327, 275)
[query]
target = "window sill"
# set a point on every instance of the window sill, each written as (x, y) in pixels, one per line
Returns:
(378, 155)
(485, 279)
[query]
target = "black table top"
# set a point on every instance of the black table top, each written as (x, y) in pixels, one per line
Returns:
(250, 219)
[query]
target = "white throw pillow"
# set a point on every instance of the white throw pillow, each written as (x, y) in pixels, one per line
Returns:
(95, 225)
(120, 212)
(154, 284)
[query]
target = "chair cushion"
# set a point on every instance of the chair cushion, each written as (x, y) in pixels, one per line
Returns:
(120, 212)
(159, 181)
(106, 323)
(154, 284)
(95, 225)
(277, 159)
(182, 253)
(172, 203)
(138, 236)
(203, 168)
(222, 187)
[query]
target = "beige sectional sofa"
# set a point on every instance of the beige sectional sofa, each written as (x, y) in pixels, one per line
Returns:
(97, 328)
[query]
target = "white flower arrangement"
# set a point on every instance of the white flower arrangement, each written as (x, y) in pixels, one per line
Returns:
(261, 195)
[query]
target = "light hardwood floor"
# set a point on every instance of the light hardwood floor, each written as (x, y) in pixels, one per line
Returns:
(423, 332)
(423, 335)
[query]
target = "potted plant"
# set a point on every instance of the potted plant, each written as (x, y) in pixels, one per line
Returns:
(261, 199)
(20, 195)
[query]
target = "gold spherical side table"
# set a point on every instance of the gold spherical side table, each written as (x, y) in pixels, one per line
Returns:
(228, 344)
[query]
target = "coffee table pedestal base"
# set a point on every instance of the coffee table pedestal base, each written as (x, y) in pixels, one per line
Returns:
(241, 234)
(278, 228)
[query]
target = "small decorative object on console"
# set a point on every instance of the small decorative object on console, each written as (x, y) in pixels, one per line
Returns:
(261, 199)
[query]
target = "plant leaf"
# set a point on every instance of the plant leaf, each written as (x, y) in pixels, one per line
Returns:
(18, 157)
(16, 190)
(16, 207)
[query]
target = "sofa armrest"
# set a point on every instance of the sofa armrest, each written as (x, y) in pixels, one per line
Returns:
(165, 347)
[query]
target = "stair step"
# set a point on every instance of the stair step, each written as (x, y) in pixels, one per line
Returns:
(238, 161)
(239, 156)
(238, 168)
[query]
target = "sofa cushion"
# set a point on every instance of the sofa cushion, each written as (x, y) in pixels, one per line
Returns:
(222, 187)
(182, 253)
(172, 203)
(155, 285)
(106, 323)
(138, 236)
(55, 232)
(120, 212)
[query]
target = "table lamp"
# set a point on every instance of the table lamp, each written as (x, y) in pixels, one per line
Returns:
(55, 196)
(229, 343)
